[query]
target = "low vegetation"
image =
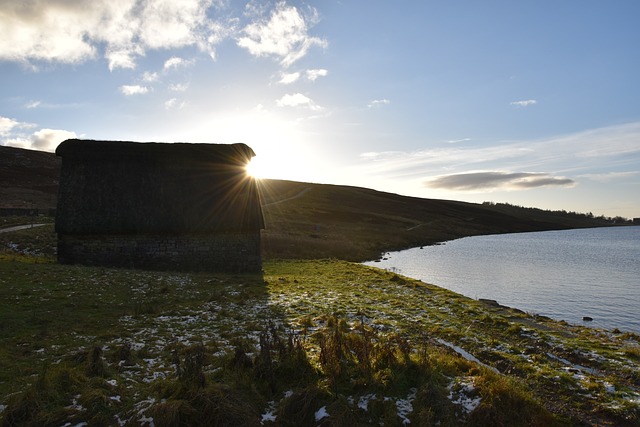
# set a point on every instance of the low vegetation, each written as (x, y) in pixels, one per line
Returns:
(312, 221)
(322, 342)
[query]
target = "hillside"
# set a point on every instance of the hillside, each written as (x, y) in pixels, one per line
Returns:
(309, 221)
(29, 178)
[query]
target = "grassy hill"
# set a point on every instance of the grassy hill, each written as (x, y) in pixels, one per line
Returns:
(310, 221)
(29, 178)
(317, 221)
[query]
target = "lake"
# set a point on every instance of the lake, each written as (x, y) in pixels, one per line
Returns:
(565, 275)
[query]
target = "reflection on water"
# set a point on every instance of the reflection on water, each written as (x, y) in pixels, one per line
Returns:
(561, 274)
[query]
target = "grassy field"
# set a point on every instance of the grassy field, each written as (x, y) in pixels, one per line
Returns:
(308, 342)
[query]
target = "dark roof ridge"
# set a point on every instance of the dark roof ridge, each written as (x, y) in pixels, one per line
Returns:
(88, 148)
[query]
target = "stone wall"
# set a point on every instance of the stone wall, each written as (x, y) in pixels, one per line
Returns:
(224, 252)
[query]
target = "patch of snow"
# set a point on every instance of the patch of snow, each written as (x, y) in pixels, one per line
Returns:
(115, 398)
(610, 388)
(2, 408)
(112, 383)
(405, 406)
(363, 402)
(574, 366)
(269, 414)
(146, 421)
(466, 355)
(154, 376)
(462, 396)
(321, 413)
(74, 404)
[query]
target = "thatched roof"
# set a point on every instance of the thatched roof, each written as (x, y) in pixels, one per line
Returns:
(128, 187)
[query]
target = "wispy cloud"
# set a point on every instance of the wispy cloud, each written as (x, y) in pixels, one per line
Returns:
(129, 90)
(313, 75)
(297, 100)
(378, 103)
(610, 176)
(33, 104)
(150, 77)
(288, 78)
(497, 180)
(524, 103)
(178, 87)
(283, 35)
(457, 141)
(176, 62)
(174, 103)
(573, 155)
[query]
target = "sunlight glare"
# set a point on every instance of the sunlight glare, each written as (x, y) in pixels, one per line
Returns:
(257, 169)
(282, 147)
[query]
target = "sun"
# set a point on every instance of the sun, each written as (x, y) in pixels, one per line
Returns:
(257, 168)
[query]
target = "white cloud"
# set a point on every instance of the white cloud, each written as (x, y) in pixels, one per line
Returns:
(7, 125)
(42, 30)
(33, 104)
(457, 141)
(524, 103)
(123, 58)
(175, 62)
(42, 140)
(150, 77)
(381, 155)
(378, 103)
(122, 31)
(284, 35)
(297, 100)
(129, 90)
(19, 134)
(497, 180)
(173, 103)
(288, 78)
(48, 139)
(610, 176)
(178, 87)
(314, 74)
(73, 31)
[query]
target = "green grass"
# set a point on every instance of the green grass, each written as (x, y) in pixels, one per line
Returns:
(100, 345)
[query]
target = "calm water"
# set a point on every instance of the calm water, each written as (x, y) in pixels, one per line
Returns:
(561, 274)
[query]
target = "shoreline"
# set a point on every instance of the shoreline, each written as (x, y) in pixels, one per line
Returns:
(523, 292)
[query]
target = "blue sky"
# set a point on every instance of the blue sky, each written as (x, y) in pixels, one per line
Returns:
(535, 103)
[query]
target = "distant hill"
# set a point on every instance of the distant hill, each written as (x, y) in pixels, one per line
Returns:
(28, 178)
(307, 220)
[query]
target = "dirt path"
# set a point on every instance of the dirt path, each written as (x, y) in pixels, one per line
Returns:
(19, 227)
(300, 194)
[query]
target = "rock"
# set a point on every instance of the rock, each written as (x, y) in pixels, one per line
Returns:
(587, 319)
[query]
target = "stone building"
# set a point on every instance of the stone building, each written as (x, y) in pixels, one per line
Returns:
(184, 207)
